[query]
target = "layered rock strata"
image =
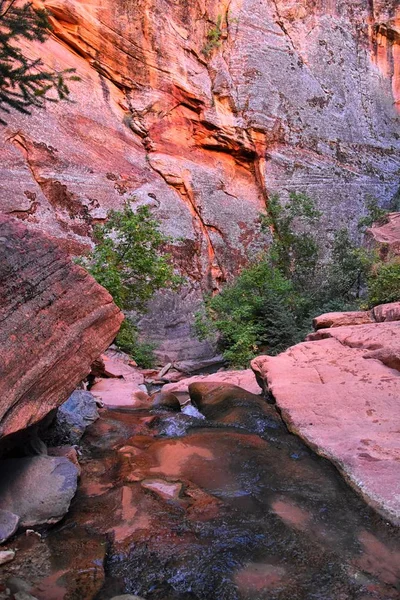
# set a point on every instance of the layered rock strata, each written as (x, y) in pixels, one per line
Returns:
(340, 392)
(55, 321)
(202, 110)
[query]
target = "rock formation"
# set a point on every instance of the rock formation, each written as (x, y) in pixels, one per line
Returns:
(55, 321)
(340, 392)
(202, 110)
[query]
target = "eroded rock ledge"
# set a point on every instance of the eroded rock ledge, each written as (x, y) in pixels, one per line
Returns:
(55, 321)
(339, 391)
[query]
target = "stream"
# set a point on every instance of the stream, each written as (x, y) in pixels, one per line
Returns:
(175, 506)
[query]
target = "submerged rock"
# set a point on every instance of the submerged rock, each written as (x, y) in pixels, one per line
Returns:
(38, 489)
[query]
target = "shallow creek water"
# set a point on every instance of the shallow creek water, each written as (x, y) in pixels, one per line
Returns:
(231, 507)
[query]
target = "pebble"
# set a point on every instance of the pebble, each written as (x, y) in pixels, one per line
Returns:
(6, 556)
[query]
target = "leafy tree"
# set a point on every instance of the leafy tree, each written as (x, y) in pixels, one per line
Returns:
(384, 282)
(256, 312)
(25, 82)
(130, 261)
(271, 304)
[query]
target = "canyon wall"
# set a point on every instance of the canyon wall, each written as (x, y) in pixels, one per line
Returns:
(202, 109)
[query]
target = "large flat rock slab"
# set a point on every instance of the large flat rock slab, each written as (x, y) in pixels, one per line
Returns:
(335, 393)
(55, 321)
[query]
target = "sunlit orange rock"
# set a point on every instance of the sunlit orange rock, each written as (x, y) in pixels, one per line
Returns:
(293, 96)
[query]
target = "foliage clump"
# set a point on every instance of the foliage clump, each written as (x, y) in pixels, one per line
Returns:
(130, 260)
(214, 36)
(271, 304)
(25, 82)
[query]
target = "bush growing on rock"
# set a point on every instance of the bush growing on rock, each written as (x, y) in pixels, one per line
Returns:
(271, 304)
(384, 282)
(130, 260)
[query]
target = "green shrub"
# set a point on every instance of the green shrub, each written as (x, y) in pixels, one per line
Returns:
(130, 261)
(256, 312)
(213, 37)
(384, 283)
(271, 304)
(128, 341)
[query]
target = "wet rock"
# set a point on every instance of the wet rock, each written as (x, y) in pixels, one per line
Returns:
(166, 400)
(74, 416)
(217, 401)
(244, 379)
(8, 524)
(38, 489)
(339, 392)
(55, 319)
(6, 556)
(165, 489)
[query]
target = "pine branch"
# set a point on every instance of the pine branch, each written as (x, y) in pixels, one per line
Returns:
(24, 82)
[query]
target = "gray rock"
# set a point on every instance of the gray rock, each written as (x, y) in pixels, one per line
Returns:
(74, 416)
(8, 525)
(16, 584)
(38, 489)
(24, 596)
(127, 597)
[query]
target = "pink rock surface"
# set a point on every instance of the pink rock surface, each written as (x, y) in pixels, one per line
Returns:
(343, 401)
(387, 312)
(243, 379)
(340, 319)
(122, 392)
(387, 235)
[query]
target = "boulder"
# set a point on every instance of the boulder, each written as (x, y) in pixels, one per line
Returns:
(387, 312)
(165, 400)
(56, 320)
(122, 392)
(340, 319)
(340, 392)
(38, 489)
(74, 416)
(68, 452)
(244, 379)
(8, 524)
(386, 236)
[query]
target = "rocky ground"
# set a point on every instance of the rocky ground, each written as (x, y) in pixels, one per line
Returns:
(340, 392)
(174, 507)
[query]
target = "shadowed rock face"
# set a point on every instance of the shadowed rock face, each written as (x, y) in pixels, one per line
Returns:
(55, 321)
(293, 96)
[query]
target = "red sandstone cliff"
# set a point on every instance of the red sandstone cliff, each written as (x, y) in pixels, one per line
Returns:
(295, 95)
